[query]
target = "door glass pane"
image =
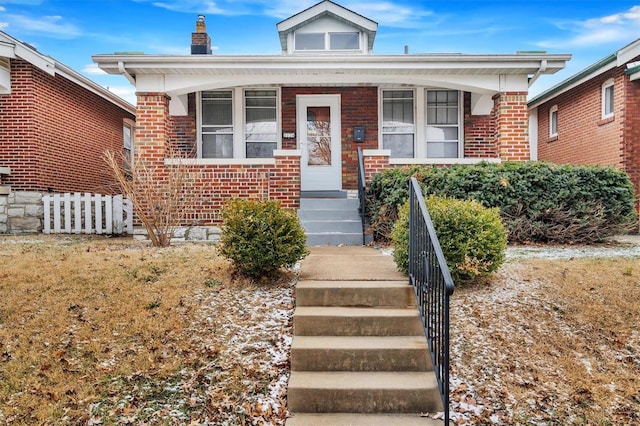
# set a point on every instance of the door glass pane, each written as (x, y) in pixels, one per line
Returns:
(319, 136)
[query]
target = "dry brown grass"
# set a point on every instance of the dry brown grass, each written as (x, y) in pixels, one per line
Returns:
(550, 342)
(109, 331)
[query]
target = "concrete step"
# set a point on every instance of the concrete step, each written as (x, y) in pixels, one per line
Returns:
(332, 226)
(356, 353)
(334, 239)
(355, 293)
(329, 204)
(328, 214)
(352, 419)
(368, 392)
(341, 321)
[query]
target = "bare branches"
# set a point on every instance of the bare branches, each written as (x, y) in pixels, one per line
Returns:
(163, 196)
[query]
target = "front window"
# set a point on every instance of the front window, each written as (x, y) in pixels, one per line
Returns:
(217, 124)
(553, 121)
(398, 124)
(607, 99)
(443, 123)
(261, 126)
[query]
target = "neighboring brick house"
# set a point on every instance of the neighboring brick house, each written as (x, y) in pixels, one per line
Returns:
(55, 126)
(278, 126)
(593, 117)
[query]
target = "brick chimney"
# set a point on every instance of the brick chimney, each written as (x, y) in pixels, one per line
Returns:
(200, 40)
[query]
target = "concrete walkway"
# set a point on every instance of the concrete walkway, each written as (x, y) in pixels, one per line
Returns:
(330, 273)
(349, 263)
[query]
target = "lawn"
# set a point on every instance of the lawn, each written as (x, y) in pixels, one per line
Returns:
(109, 331)
(549, 342)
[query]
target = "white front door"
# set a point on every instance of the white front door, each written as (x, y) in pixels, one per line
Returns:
(319, 131)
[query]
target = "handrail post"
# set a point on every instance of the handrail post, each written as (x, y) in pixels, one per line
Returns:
(362, 186)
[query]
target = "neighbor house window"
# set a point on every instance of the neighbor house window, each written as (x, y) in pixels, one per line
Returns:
(217, 124)
(398, 123)
(443, 123)
(261, 126)
(327, 41)
(128, 135)
(607, 99)
(553, 121)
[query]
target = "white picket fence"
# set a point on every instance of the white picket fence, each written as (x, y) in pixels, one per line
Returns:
(87, 213)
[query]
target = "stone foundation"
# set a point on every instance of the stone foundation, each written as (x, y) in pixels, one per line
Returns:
(187, 233)
(21, 212)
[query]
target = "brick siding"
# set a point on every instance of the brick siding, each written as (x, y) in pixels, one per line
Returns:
(584, 137)
(53, 133)
(511, 126)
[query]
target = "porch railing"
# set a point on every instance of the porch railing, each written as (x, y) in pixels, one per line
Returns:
(362, 187)
(431, 280)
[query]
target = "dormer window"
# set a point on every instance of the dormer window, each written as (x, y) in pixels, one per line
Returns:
(334, 41)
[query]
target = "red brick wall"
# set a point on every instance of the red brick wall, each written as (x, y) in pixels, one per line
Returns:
(631, 134)
(479, 133)
(583, 137)
(511, 126)
(53, 133)
(182, 133)
(359, 108)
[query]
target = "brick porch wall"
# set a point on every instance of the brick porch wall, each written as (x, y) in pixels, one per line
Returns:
(214, 184)
(53, 133)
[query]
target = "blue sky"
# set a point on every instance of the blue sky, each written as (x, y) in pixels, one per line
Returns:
(73, 30)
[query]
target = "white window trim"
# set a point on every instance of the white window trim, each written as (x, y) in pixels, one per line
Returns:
(553, 110)
(238, 118)
(605, 86)
(416, 116)
(443, 160)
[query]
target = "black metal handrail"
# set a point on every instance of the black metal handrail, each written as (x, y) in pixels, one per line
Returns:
(362, 188)
(431, 280)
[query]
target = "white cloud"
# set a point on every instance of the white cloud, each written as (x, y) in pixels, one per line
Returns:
(610, 29)
(93, 69)
(204, 7)
(52, 26)
(126, 93)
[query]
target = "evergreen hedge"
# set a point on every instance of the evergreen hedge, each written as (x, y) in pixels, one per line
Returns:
(538, 201)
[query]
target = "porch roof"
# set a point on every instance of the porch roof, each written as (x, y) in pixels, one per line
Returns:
(456, 64)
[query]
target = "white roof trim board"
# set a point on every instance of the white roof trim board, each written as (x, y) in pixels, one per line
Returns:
(321, 9)
(13, 48)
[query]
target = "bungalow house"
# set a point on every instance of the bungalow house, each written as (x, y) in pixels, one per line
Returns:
(55, 125)
(289, 125)
(593, 117)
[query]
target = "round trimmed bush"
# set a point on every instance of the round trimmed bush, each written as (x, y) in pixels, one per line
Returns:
(472, 237)
(260, 237)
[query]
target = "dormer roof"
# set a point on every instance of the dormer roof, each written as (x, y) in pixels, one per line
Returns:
(330, 9)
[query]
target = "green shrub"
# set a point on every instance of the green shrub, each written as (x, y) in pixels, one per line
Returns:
(538, 202)
(472, 237)
(260, 237)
